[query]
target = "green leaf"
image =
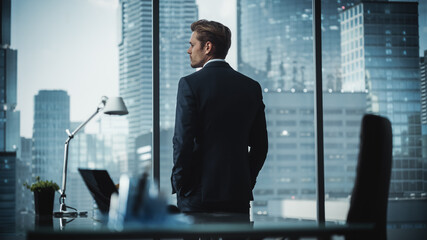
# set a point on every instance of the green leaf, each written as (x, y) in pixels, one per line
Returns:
(41, 185)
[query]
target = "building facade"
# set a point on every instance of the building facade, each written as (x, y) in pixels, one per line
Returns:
(135, 49)
(105, 149)
(143, 153)
(10, 141)
(380, 54)
(289, 170)
(24, 197)
(51, 119)
(423, 77)
(275, 43)
(83, 151)
(8, 193)
(9, 116)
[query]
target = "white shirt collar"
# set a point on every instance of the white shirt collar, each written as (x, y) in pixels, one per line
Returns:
(214, 60)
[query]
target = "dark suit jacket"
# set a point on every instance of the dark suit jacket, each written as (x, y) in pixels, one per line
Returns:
(219, 114)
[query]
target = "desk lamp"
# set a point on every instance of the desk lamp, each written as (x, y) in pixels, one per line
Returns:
(111, 106)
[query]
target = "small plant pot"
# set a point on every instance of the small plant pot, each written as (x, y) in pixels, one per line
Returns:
(43, 201)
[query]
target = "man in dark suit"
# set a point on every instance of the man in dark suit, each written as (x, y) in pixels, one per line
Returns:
(220, 140)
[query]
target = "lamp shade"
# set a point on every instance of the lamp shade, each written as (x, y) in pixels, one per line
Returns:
(115, 106)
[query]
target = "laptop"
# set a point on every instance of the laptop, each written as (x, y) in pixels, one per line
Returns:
(100, 187)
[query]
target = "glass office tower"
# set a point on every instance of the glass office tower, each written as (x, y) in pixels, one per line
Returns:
(8, 162)
(423, 77)
(275, 47)
(276, 42)
(9, 125)
(105, 149)
(136, 65)
(289, 171)
(135, 57)
(24, 197)
(380, 54)
(9, 117)
(51, 119)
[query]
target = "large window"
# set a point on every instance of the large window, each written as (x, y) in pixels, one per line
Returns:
(370, 64)
(271, 43)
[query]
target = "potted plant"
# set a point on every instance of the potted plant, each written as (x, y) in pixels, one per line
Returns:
(44, 193)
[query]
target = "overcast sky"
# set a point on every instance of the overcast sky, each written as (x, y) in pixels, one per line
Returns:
(72, 45)
(69, 45)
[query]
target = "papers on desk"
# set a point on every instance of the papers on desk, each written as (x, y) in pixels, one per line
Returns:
(140, 203)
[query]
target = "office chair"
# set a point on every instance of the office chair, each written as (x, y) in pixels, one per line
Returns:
(370, 193)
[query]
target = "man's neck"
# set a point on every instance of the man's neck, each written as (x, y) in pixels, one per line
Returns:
(214, 60)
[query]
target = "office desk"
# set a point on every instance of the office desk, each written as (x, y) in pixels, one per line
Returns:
(230, 230)
(213, 230)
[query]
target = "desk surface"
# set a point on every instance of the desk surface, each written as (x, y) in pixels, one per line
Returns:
(83, 229)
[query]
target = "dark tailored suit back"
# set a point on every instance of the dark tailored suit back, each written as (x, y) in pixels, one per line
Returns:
(370, 194)
(219, 114)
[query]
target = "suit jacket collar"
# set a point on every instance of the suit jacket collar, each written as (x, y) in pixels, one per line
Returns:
(217, 64)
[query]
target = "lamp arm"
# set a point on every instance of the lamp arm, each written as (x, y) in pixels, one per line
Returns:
(71, 136)
(100, 106)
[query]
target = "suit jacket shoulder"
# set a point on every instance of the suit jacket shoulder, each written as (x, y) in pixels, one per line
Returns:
(220, 70)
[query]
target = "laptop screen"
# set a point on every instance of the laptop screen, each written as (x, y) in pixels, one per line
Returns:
(100, 187)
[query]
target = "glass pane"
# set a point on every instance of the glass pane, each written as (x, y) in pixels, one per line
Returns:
(344, 106)
(371, 65)
(135, 56)
(272, 43)
(176, 17)
(60, 85)
(275, 47)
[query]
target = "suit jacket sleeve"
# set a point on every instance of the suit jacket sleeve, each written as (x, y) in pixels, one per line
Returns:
(183, 139)
(258, 142)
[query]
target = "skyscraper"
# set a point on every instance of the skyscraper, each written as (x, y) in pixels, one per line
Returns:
(423, 77)
(105, 149)
(51, 119)
(289, 170)
(82, 153)
(380, 54)
(331, 39)
(113, 131)
(24, 197)
(9, 117)
(7, 192)
(10, 141)
(135, 49)
(276, 42)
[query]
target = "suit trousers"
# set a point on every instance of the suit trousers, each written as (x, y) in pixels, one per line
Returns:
(194, 203)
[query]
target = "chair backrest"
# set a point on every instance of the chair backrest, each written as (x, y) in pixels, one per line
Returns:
(370, 193)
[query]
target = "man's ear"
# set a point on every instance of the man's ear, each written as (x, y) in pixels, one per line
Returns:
(208, 48)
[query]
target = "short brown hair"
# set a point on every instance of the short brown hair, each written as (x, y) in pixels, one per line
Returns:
(214, 32)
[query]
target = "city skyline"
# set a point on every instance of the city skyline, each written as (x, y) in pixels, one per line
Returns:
(76, 51)
(98, 66)
(75, 56)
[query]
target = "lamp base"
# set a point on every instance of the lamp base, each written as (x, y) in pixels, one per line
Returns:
(70, 214)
